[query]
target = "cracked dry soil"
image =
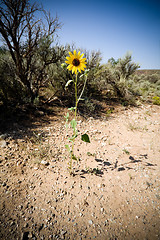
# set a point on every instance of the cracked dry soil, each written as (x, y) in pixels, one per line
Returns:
(115, 193)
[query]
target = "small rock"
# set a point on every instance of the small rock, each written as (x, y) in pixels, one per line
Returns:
(63, 232)
(39, 113)
(102, 210)
(30, 235)
(25, 225)
(44, 162)
(12, 223)
(3, 143)
(3, 136)
(4, 184)
(35, 168)
(90, 222)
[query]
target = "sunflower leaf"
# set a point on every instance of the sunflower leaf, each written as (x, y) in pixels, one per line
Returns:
(86, 72)
(73, 123)
(74, 157)
(85, 138)
(72, 108)
(68, 148)
(81, 99)
(73, 136)
(67, 116)
(67, 84)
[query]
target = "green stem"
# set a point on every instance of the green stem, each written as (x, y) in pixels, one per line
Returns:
(75, 115)
(82, 90)
(76, 98)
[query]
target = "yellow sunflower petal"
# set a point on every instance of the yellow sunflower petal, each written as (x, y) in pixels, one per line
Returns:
(73, 69)
(82, 59)
(79, 53)
(83, 63)
(69, 67)
(82, 55)
(82, 67)
(70, 54)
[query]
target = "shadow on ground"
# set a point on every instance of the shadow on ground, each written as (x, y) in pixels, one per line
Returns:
(19, 121)
(107, 166)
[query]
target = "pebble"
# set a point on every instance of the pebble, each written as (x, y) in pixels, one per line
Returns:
(4, 184)
(90, 222)
(30, 235)
(35, 168)
(25, 225)
(63, 232)
(43, 162)
(3, 143)
(102, 210)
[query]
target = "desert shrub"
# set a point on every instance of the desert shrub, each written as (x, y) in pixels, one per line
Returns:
(136, 78)
(142, 77)
(116, 76)
(156, 100)
(11, 89)
(153, 78)
(147, 89)
(126, 67)
(146, 84)
(158, 84)
(150, 77)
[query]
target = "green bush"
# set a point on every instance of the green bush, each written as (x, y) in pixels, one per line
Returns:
(117, 76)
(154, 77)
(156, 100)
(115, 79)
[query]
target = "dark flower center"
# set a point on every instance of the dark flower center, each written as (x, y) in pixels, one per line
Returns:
(76, 62)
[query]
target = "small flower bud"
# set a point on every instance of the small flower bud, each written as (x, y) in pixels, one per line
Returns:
(64, 65)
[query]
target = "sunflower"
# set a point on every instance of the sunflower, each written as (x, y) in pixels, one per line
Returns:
(76, 62)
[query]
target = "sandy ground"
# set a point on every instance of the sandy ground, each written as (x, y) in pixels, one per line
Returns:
(114, 194)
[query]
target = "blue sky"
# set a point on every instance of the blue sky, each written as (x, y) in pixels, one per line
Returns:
(113, 27)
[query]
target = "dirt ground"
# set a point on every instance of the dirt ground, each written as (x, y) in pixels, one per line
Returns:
(114, 194)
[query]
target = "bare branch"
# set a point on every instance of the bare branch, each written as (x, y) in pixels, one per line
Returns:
(28, 40)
